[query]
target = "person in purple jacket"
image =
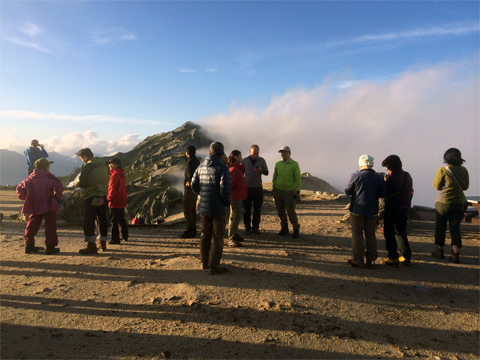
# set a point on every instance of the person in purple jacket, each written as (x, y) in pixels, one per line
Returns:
(365, 187)
(399, 199)
(41, 190)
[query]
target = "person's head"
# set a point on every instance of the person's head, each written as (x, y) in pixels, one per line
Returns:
(114, 163)
(365, 162)
(392, 163)
(235, 157)
(285, 153)
(191, 151)
(254, 152)
(453, 157)
(34, 143)
(43, 164)
(85, 155)
(216, 148)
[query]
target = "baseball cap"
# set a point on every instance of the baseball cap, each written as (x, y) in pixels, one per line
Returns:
(42, 163)
(284, 148)
(115, 161)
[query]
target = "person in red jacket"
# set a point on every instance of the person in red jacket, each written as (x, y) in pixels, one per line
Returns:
(239, 193)
(117, 200)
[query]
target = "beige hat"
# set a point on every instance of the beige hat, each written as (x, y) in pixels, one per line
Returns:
(365, 160)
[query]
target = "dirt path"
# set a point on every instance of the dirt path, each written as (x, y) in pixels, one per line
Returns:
(283, 298)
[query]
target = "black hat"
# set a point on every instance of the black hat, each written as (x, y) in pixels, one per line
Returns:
(115, 161)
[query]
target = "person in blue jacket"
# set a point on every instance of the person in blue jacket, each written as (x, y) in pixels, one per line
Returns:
(365, 187)
(33, 153)
(212, 181)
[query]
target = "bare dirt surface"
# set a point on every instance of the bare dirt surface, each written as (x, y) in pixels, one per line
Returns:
(282, 298)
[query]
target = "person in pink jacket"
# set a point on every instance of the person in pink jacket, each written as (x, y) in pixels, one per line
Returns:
(238, 194)
(41, 190)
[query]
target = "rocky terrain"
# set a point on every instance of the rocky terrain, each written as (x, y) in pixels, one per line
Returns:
(282, 298)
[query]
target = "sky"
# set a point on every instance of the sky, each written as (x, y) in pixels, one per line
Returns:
(331, 79)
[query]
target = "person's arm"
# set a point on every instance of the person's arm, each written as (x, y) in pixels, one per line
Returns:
(466, 182)
(195, 184)
(439, 180)
(265, 168)
(349, 189)
(58, 189)
(297, 177)
(274, 177)
(22, 191)
(113, 185)
(83, 179)
(226, 186)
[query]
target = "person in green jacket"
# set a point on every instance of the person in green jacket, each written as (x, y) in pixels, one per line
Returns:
(94, 179)
(450, 181)
(286, 191)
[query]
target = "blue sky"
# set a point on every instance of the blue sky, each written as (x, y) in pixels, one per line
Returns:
(107, 74)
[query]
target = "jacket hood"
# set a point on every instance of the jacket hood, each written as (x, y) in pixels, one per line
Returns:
(212, 160)
(97, 161)
(118, 171)
(40, 174)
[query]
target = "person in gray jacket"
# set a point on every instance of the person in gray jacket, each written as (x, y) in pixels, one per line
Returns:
(255, 167)
(212, 181)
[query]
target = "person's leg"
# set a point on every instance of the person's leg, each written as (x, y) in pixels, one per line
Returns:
(290, 205)
(235, 216)
(401, 233)
(33, 224)
(189, 209)
(389, 232)
(247, 208)
(206, 238)
(218, 223)
(89, 221)
(280, 205)
(357, 239)
(51, 238)
(123, 223)
(102, 217)
(369, 227)
(257, 207)
(455, 217)
(441, 218)
(115, 220)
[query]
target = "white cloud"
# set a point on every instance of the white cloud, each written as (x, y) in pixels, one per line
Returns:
(111, 36)
(417, 115)
(32, 115)
(185, 71)
(211, 70)
(31, 30)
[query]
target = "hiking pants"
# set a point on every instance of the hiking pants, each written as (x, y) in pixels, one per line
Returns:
(211, 240)
(118, 218)
(360, 225)
(93, 213)
(395, 232)
(285, 203)
(190, 209)
(453, 213)
(255, 196)
(33, 225)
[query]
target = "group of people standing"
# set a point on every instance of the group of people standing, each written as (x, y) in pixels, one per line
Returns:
(366, 187)
(235, 183)
(105, 192)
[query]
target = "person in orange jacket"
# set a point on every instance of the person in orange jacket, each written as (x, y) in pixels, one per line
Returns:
(117, 200)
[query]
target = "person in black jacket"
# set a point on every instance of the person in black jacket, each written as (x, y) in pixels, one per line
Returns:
(399, 199)
(189, 197)
(213, 182)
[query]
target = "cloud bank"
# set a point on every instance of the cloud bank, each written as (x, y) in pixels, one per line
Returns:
(417, 116)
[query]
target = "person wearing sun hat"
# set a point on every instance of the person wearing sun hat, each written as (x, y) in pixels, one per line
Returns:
(286, 183)
(33, 153)
(365, 187)
(40, 191)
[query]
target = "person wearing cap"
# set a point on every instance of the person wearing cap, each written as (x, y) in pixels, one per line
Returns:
(255, 167)
(94, 179)
(365, 187)
(189, 196)
(286, 191)
(33, 153)
(117, 200)
(40, 191)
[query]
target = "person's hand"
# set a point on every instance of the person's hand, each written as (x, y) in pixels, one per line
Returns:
(297, 196)
(187, 184)
(259, 169)
(41, 145)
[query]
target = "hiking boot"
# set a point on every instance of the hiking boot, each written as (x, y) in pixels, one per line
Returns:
(218, 270)
(256, 231)
(90, 249)
(248, 231)
(238, 238)
(455, 257)
(204, 266)
(370, 264)
(114, 242)
(394, 262)
(351, 263)
(438, 253)
(188, 234)
(284, 231)
(296, 233)
(404, 261)
(102, 245)
(234, 243)
(52, 250)
(31, 248)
